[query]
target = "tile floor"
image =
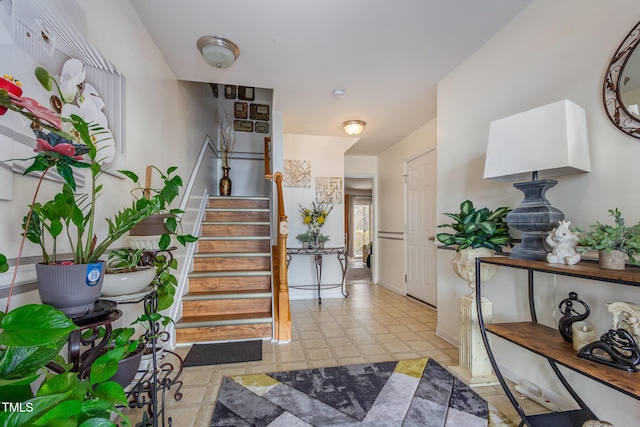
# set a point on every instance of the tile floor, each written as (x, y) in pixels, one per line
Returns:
(372, 325)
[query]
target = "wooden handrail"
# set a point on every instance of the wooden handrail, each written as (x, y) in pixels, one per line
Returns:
(282, 310)
(267, 159)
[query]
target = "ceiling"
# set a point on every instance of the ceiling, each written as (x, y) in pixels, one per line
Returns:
(387, 55)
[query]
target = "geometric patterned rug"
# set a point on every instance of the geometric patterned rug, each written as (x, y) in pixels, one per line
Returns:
(418, 392)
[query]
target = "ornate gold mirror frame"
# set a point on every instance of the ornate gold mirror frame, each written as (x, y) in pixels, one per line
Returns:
(621, 115)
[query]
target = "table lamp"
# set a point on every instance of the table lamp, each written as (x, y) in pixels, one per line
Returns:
(547, 141)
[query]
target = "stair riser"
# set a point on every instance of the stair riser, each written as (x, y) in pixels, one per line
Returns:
(236, 216)
(210, 230)
(232, 246)
(230, 284)
(223, 333)
(225, 203)
(231, 264)
(225, 306)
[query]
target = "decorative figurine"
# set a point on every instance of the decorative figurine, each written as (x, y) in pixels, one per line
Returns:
(626, 315)
(570, 315)
(564, 242)
(621, 350)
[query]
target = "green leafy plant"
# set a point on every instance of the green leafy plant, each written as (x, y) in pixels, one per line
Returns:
(304, 237)
(165, 282)
(477, 228)
(163, 197)
(32, 336)
(4, 266)
(612, 237)
(124, 260)
(323, 238)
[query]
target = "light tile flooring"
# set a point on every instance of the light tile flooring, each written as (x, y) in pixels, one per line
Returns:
(372, 325)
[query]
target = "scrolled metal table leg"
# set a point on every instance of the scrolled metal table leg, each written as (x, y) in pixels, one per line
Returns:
(318, 262)
(343, 264)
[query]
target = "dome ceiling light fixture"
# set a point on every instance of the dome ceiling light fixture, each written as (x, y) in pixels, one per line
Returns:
(339, 93)
(218, 51)
(353, 127)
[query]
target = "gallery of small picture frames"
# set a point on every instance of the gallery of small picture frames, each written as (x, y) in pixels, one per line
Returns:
(248, 116)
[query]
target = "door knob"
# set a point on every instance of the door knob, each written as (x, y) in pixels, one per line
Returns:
(432, 238)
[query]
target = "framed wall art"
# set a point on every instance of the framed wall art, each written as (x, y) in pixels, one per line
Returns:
(51, 34)
(262, 127)
(259, 112)
(229, 91)
(240, 110)
(297, 173)
(243, 125)
(329, 190)
(246, 93)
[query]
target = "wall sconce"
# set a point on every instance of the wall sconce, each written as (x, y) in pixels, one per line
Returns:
(353, 127)
(218, 51)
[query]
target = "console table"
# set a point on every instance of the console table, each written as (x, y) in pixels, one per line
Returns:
(318, 254)
(548, 343)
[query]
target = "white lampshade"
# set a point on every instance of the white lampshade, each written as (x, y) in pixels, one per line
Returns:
(353, 127)
(218, 51)
(551, 140)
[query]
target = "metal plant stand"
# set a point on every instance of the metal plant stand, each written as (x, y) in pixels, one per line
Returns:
(160, 376)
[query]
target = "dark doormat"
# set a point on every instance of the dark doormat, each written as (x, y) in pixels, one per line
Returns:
(228, 352)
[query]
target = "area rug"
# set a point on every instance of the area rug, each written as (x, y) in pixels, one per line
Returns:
(219, 353)
(358, 274)
(417, 392)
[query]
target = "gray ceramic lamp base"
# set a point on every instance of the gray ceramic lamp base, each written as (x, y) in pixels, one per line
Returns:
(535, 217)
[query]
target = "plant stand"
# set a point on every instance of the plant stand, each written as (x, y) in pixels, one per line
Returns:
(474, 366)
(160, 376)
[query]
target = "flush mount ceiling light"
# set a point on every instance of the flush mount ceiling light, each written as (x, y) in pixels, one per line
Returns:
(218, 51)
(339, 93)
(353, 127)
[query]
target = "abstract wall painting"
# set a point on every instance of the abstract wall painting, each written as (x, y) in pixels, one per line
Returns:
(297, 173)
(329, 190)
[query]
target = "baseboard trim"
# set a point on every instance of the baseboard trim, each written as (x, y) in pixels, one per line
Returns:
(453, 340)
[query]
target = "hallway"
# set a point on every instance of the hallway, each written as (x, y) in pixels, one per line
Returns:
(372, 325)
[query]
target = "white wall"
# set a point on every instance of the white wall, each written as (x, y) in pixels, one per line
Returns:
(165, 121)
(388, 254)
(326, 155)
(551, 51)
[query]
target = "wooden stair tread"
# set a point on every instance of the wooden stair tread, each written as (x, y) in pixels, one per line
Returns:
(257, 290)
(185, 320)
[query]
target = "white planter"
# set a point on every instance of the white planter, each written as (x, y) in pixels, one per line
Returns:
(464, 265)
(132, 282)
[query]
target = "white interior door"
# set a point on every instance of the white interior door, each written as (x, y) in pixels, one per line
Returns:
(420, 228)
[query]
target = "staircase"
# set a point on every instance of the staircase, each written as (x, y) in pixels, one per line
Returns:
(230, 294)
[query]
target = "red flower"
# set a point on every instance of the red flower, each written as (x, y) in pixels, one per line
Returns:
(64, 148)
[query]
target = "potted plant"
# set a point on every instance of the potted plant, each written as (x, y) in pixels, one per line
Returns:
(74, 285)
(614, 243)
(124, 274)
(322, 239)
(31, 337)
(166, 221)
(305, 239)
(478, 233)
(125, 350)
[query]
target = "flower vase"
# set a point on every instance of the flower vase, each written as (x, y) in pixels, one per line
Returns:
(225, 182)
